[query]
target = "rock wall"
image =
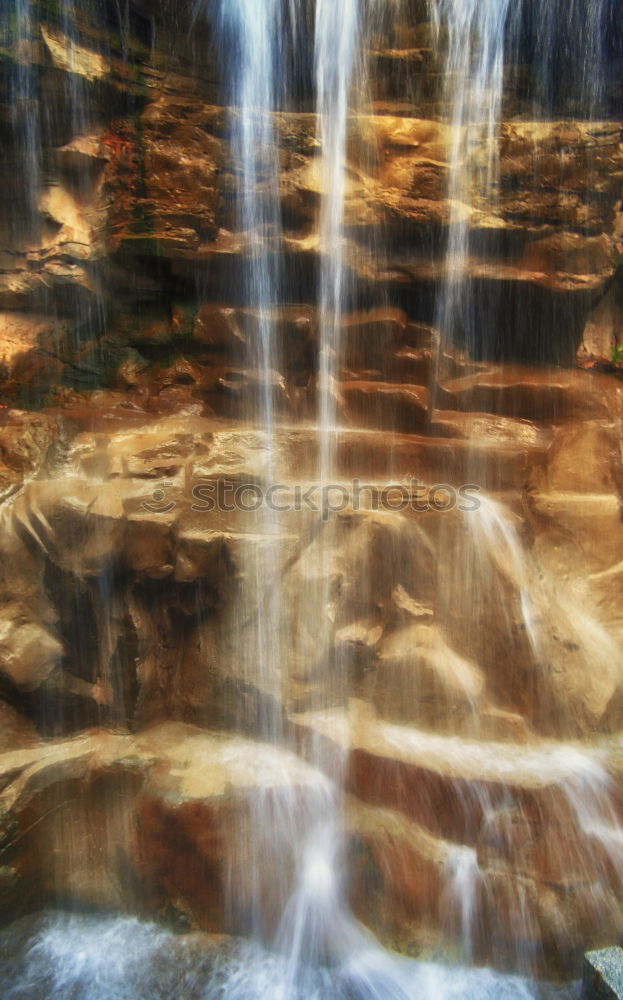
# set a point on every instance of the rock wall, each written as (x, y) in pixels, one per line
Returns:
(118, 188)
(128, 367)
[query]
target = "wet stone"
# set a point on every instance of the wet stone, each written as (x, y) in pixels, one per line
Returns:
(603, 975)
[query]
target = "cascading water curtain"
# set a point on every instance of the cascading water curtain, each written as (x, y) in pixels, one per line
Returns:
(253, 39)
(337, 49)
(24, 112)
(252, 36)
(367, 753)
(472, 98)
(566, 46)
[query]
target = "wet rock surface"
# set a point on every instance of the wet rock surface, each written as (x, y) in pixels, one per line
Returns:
(137, 201)
(482, 754)
(127, 539)
(113, 811)
(603, 974)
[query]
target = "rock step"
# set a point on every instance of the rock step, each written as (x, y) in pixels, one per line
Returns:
(537, 394)
(451, 785)
(164, 817)
(502, 458)
(171, 814)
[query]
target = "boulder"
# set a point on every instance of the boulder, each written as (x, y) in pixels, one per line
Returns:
(419, 678)
(29, 652)
(603, 332)
(602, 975)
(112, 811)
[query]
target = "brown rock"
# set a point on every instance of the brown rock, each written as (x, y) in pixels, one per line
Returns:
(382, 404)
(532, 394)
(397, 873)
(16, 731)
(369, 336)
(26, 440)
(571, 254)
(19, 333)
(159, 184)
(29, 652)
(113, 810)
(490, 428)
(419, 678)
(603, 332)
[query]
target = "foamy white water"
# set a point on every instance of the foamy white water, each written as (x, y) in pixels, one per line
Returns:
(58, 956)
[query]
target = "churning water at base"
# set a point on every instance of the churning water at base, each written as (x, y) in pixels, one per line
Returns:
(121, 958)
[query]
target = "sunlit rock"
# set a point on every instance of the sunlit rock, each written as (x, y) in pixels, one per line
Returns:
(420, 678)
(125, 802)
(303, 496)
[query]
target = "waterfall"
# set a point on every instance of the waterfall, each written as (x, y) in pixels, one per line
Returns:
(253, 43)
(464, 883)
(338, 27)
(474, 77)
(314, 926)
(253, 34)
(275, 748)
(567, 54)
(25, 115)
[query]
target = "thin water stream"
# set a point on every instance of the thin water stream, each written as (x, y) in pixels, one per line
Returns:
(465, 597)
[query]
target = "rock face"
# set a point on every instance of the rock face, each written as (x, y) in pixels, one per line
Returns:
(135, 209)
(463, 676)
(603, 974)
(151, 821)
(128, 567)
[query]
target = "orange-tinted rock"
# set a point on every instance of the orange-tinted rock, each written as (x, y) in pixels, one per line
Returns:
(29, 652)
(532, 394)
(160, 182)
(384, 405)
(19, 332)
(488, 427)
(419, 678)
(397, 872)
(25, 441)
(113, 811)
(219, 327)
(603, 332)
(369, 336)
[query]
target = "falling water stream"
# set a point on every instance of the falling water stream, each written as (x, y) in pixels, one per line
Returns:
(303, 940)
(476, 34)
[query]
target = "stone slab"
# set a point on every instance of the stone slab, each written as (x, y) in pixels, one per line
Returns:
(602, 977)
